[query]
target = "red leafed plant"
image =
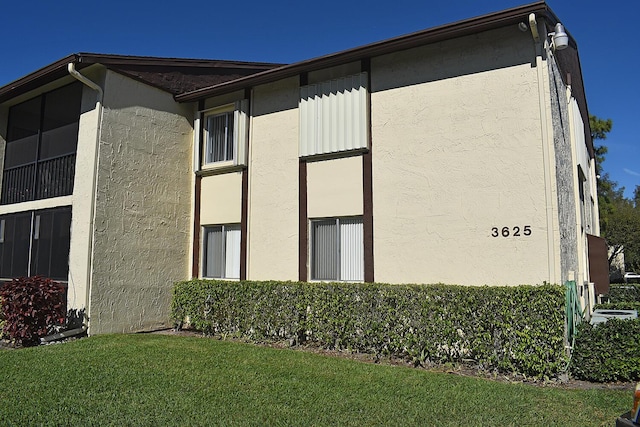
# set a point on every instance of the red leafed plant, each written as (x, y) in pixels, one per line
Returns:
(31, 306)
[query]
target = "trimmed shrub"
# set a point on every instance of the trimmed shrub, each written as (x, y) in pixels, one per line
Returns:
(510, 329)
(632, 305)
(31, 306)
(608, 351)
(624, 293)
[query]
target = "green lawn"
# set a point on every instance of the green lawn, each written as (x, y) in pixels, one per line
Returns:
(158, 380)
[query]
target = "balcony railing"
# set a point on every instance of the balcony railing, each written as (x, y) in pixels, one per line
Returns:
(42, 180)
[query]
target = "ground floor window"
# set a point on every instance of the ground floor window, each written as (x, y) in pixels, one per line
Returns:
(35, 243)
(221, 251)
(337, 249)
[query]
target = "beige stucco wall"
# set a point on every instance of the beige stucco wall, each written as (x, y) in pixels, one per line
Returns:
(457, 151)
(273, 182)
(221, 199)
(143, 204)
(334, 187)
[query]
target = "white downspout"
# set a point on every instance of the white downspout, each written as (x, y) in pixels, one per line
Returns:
(71, 67)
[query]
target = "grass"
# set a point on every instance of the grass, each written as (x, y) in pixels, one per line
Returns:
(156, 380)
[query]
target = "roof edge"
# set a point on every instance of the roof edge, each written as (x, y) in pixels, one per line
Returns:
(58, 68)
(432, 35)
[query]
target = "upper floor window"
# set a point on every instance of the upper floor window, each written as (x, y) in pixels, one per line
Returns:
(334, 116)
(224, 134)
(42, 138)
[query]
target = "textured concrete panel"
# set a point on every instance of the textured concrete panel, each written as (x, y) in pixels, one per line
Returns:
(334, 187)
(457, 160)
(221, 199)
(273, 182)
(143, 204)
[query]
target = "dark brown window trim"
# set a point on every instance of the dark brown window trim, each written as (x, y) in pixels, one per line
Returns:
(303, 227)
(195, 265)
(244, 214)
(367, 187)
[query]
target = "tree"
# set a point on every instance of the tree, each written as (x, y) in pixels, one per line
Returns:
(619, 216)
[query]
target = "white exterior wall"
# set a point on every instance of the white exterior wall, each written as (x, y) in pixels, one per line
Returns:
(273, 182)
(457, 151)
(142, 223)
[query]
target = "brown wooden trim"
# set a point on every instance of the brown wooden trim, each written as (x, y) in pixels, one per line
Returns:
(195, 266)
(197, 203)
(367, 186)
(244, 215)
(367, 217)
(303, 214)
(243, 224)
(303, 229)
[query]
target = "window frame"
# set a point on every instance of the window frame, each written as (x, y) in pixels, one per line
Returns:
(338, 221)
(237, 114)
(41, 239)
(204, 252)
(34, 179)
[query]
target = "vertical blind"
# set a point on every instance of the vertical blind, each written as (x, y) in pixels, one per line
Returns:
(333, 116)
(337, 249)
(222, 252)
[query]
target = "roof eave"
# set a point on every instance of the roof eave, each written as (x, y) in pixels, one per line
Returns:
(58, 69)
(423, 37)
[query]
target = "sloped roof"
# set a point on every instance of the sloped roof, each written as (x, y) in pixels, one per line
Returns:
(487, 22)
(174, 75)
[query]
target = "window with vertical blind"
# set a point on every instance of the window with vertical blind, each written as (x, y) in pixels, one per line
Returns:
(225, 134)
(337, 249)
(35, 243)
(334, 116)
(221, 252)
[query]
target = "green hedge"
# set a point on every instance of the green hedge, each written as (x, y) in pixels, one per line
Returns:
(608, 351)
(624, 293)
(510, 329)
(632, 305)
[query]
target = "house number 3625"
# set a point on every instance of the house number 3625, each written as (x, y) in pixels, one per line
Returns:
(515, 231)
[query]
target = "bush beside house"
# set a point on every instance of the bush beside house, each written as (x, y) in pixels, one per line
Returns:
(31, 307)
(610, 351)
(510, 329)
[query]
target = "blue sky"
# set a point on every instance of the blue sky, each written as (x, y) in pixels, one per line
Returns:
(39, 32)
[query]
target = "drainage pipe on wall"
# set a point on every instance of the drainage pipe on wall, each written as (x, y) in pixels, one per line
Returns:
(71, 67)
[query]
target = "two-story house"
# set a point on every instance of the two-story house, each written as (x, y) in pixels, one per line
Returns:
(458, 154)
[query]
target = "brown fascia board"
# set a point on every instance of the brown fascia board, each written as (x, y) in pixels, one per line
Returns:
(58, 69)
(419, 38)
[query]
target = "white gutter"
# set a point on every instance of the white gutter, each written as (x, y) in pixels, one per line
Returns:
(71, 67)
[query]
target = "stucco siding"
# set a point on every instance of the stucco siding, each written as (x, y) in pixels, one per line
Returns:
(143, 204)
(273, 182)
(571, 243)
(334, 187)
(456, 156)
(221, 200)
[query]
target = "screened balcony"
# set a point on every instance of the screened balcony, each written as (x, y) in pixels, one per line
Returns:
(42, 139)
